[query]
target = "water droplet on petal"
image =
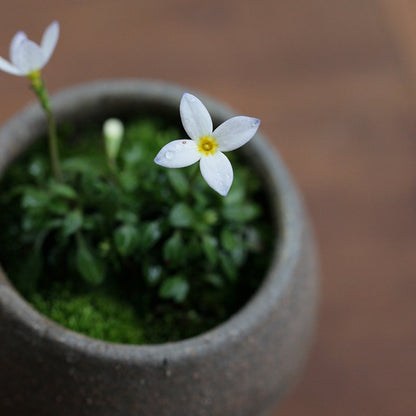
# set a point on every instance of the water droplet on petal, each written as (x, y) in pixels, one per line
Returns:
(169, 155)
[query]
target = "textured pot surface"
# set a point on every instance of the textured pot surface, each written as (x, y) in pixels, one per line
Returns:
(240, 368)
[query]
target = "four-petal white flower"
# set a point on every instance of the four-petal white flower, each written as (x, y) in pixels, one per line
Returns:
(26, 57)
(207, 145)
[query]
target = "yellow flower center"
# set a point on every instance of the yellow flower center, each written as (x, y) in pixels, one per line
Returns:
(207, 145)
(35, 78)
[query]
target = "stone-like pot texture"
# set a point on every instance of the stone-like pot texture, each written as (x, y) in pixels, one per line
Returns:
(240, 368)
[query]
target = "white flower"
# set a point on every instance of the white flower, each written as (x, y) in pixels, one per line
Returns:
(26, 57)
(206, 145)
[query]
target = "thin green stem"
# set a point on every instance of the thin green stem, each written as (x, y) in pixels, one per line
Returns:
(193, 176)
(191, 182)
(39, 88)
(112, 166)
(53, 147)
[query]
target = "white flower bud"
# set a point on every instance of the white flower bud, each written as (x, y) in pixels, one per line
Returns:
(113, 131)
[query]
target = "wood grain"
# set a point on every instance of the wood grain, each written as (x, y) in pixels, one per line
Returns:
(333, 84)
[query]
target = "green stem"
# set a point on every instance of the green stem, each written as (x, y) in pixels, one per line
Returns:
(112, 166)
(193, 176)
(191, 182)
(39, 88)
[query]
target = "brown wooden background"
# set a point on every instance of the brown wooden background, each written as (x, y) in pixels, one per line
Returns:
(334, 83)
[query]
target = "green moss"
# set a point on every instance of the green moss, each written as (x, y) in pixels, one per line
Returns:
(95, 313)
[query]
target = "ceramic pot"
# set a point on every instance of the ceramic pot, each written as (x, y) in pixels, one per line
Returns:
(240, 368)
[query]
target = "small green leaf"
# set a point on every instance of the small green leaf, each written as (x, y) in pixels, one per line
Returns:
(79, 165)
(150, 233)
(126, 238)
(228, 266)
(58, 207)
(236, 195)
(129, 180)
(34, 198)
(178, 181)
(37, 168)
(153, 273)
(210, 216)
(94, 221)
(241, 213)
(104, 248)
(175, 288)
(173, 250)
(32, 222)
(210, 247)
(201, 197)
(89, 266)
(181, 216)
(134, 155)
(62, 190)
(72, 222)
(127, 217)
(228, 239)
(238, 254)
(214, 279)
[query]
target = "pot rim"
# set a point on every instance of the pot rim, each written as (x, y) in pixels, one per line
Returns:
(284, 202)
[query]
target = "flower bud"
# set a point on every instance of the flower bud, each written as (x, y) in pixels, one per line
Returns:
(113, 131)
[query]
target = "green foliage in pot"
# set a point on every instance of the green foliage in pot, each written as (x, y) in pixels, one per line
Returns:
(120, 248)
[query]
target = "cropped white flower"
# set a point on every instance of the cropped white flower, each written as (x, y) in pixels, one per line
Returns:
(206, 145)
(26, 57)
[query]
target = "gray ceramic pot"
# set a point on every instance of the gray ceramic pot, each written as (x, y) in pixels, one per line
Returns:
(240, 368)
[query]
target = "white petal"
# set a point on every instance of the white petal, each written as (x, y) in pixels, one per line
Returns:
(28, 57)
(49, 40)
(178, 154)
(195, 117)
(235, 132)
(218, 172)
(14, 44)
(8, 67)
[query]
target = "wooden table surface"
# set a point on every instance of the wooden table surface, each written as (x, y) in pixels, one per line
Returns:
(335, 86)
